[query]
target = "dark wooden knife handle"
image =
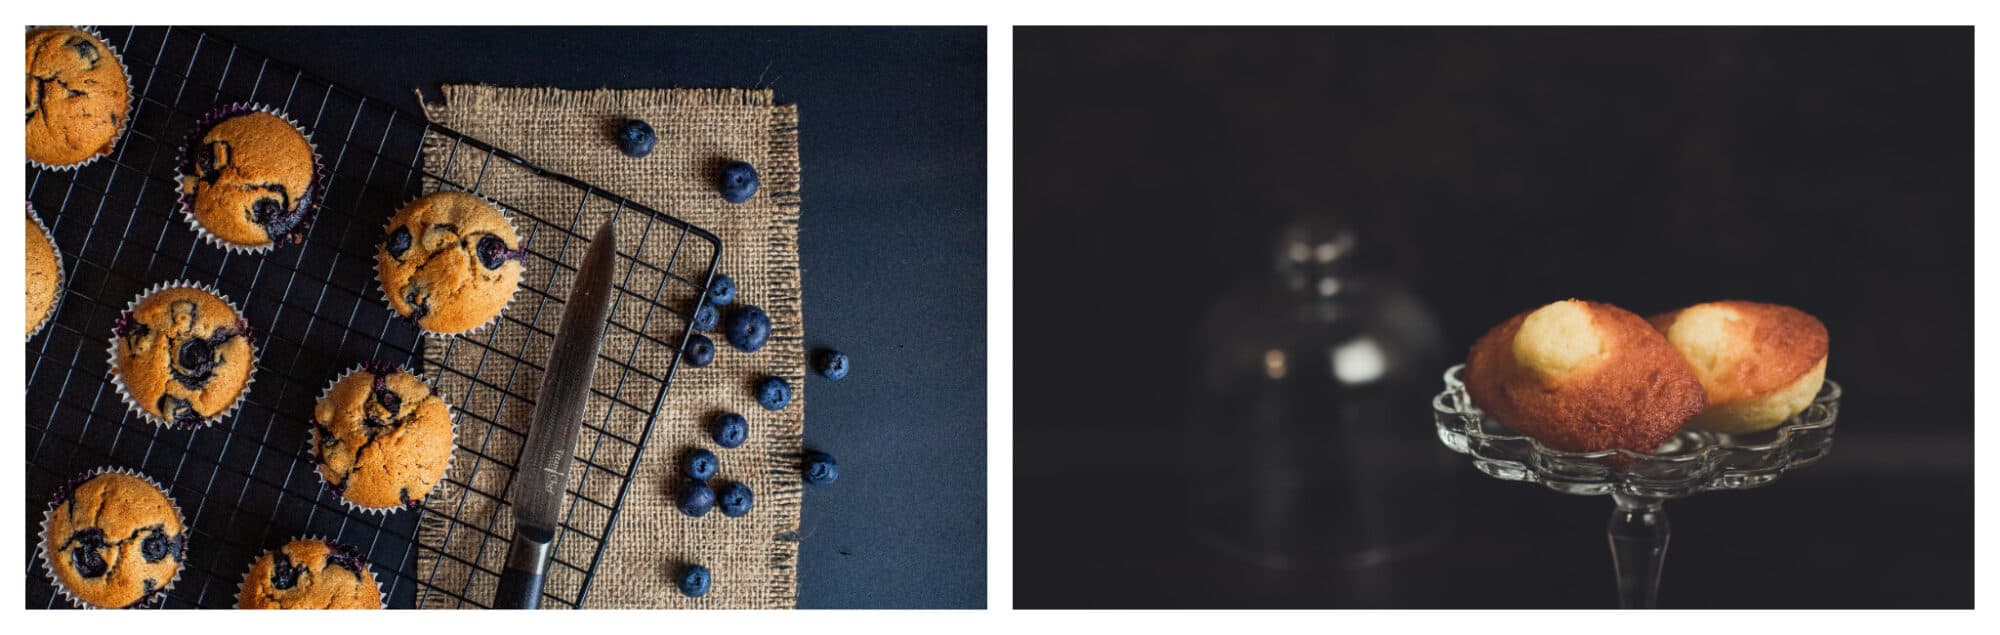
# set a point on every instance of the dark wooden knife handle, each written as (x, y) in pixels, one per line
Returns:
(527, 566)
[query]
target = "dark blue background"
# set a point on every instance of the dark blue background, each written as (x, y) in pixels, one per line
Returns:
(892, 140)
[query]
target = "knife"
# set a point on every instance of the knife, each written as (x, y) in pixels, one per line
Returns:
(543, 470)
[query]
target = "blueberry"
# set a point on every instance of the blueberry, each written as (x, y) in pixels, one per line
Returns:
(493, 252)
(739, 182)
(722, 291)
(700, 464)
(831, 363)
(399, 242)
(735, 499)
(774, 393)
(820, 468)
(156, 546)
(87, 556)
(635, 138)
(391, 402)
(694, 581)
(197, 356)
(695, 499)
(705, 318)
(284, 575)
(747, 329)
(700, 350)
(266, 210)
(731, 430)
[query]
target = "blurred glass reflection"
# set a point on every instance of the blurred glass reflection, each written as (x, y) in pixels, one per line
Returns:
(1310, 436)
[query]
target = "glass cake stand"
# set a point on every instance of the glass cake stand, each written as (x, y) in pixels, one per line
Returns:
(1692, 462)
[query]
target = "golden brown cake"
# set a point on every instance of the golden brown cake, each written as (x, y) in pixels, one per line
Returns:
(248, 178)
(450, 263)
(382, 438)
(182, 356)
(78, 97)
(1760, 363)
(309, 573)
(45, 276)
(113, 539)
(1583, 377)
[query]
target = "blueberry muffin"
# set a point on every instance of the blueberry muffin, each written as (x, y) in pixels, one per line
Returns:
(45, 278)
(382, 438)
(113, 539)
(248, 178)
(451, 262)
(309, 573)
(1760, 363)
(182, 356)
(78, 97)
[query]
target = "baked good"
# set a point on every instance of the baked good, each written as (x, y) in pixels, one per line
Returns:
(78, 97)
(182, 355)
(450, 262)
(1759, 363)
(248, 178)
(382, 438)
(113, 539)
(1583, 377)
(309, 573)
(45, 274)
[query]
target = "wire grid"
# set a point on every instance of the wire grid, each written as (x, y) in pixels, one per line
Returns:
(248, 484)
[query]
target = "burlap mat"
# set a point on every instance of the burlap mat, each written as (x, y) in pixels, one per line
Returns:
(752, 558)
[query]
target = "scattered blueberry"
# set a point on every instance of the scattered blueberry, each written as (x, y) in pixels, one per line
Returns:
(735, 499)
(739, 182)
(731, 430)
(722, 291)
(820, 468)
(774, 393)
(700, 350)
(695, 499)
(694, 581)
(831, 363)
(635, 138)
(701, 464)
(748, 328)
(705, 318)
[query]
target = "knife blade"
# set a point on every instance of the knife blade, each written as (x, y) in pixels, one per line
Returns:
(542, 473)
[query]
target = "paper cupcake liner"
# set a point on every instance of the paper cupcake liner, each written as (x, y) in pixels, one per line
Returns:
(185, 168)
(118, 380)
(370, 566)
(384, 288)
(312, 443)
(61, 280)
(63, 494)
(131, 101)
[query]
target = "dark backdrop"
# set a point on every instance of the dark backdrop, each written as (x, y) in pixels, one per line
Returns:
(1826, 168)
(892, 138)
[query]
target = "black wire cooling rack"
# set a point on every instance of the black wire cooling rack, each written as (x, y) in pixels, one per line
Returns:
(247, 484)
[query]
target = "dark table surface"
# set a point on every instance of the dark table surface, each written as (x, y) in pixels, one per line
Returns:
(1493, 170)
(892, 140)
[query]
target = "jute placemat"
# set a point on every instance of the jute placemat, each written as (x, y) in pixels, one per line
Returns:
(752, 558)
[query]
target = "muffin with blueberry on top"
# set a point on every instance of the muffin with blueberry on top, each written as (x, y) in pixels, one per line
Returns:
(450, 263)
(382, 438)
(78, 97)
(182, 356)
(248, 178)
(113, 539)
(309, 573)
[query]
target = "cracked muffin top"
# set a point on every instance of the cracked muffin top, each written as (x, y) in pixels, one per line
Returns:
(183, 356)
(44, 283)
(77, 96)
(382, 438)
(114, 540)
(248, 178)
(309, 574)
(451, 262)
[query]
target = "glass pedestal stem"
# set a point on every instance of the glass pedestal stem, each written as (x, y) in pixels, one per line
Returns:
(1638, 532)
